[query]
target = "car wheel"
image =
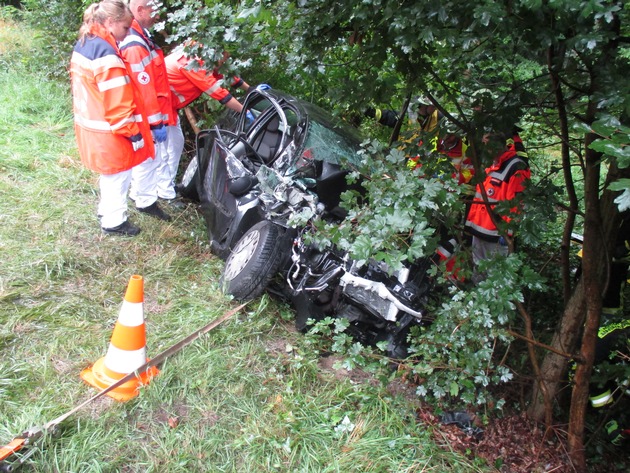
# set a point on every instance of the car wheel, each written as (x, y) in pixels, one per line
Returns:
(188, 187)
(253, 262)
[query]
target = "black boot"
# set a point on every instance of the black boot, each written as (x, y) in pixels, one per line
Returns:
(124, 229)
(154, 210)
(175, 203)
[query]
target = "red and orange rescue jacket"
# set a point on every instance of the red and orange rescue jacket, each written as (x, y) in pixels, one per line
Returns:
(450, 145)
(148, 71)
(107, 107)
(504, 180)
(187, 84)
(465, 170)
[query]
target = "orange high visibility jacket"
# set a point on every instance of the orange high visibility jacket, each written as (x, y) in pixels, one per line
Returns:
(148, 71)
(107, 107)
(188, 84)
(504, 180)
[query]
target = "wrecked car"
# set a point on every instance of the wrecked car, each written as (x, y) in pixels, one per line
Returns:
(260, 184)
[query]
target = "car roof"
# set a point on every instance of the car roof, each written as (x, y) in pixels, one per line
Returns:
(318, 114)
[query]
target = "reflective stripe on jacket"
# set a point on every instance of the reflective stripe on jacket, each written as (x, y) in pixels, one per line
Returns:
(148, 71)
(106, 106)
(187, 84)
(503, 181)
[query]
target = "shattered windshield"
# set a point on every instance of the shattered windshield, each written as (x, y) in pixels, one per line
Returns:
(326, 145)
(331, 142)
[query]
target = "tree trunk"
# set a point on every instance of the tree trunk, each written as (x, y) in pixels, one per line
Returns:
(553, 369)
(593, 264)
(555, 56)
(582, 311)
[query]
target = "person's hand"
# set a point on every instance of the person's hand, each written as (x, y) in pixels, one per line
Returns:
(137, 141)
(263, 87)
(159, 133)
(250, 117)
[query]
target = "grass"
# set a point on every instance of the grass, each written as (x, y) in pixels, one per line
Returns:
(251, 396)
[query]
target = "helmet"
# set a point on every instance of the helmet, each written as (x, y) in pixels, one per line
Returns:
(422, 100)
(451, 128)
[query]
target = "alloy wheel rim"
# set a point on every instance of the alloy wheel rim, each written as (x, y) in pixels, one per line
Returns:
(241, 255)
(190, 171)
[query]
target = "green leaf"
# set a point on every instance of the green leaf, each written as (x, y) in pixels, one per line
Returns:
(619, 185)
(250, 12)
(621, 152)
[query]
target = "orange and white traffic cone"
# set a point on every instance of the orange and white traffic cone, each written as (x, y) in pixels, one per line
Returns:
(127, 349)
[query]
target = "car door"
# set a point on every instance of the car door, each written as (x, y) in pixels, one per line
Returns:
(228, 215)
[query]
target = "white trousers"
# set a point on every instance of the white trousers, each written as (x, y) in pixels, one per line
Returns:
(144, 181)
(170, 153)
(112, 207)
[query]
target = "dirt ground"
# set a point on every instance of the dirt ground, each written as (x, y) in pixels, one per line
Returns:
(511, 444)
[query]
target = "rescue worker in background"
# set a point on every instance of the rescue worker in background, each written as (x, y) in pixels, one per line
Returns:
(505, 179)
(442, 137)
(149, 74)
(606, 388)
(383, 116)
(110, 125)
(426, 114)
(453, 146)
(186, 85)
(445, 140)
(613, 342)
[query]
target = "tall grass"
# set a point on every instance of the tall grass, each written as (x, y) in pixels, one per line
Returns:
(248, 397)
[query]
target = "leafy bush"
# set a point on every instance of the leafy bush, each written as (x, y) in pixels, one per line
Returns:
(57, 24)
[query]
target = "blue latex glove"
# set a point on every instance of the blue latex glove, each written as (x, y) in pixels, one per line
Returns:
(263, 87)
(502, 241)
(250, 117)
(159, 133)
(137, 141)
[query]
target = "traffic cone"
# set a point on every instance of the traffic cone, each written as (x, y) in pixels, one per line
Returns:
(127, 349)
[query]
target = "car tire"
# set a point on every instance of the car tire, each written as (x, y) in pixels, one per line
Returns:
(253, 262)
(188, 186)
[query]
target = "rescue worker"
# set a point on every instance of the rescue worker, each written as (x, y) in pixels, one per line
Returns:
(453, 146)
(186, 85)
(612, 348)
(149, 74)
(613, 343)
(505, 178)
(383, 116)
(110, 125)
(427, 115)
(444, 138)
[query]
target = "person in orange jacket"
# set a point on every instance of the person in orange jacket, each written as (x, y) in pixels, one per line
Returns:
(111, 130)
(149, 74)
(188, 84)
(505, 178)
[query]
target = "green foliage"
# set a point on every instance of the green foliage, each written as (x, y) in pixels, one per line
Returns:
(56, 25)
(247, 397)
(614, 143)
(484, 62)
(457, 354)
(397, 219)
